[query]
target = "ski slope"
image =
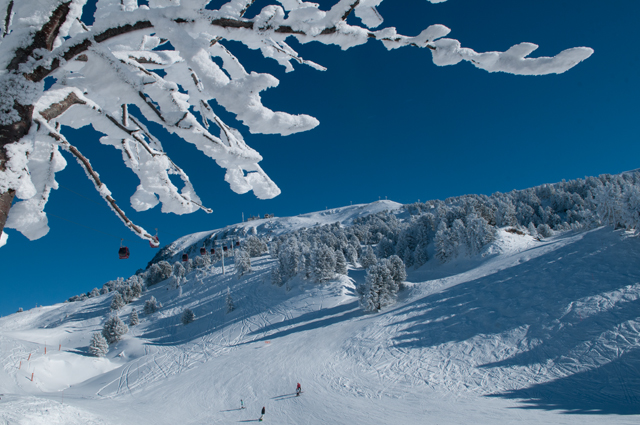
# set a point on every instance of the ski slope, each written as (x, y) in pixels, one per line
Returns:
(529, 332)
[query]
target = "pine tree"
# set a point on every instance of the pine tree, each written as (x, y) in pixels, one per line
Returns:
(98, 346)
(632, 210)
(289, 258)
(324, 263)
(444, 243)
(243, 262)
(397, 268)
(95, 292)
(255, 246)
(532, 230)
(151, 305)
(341, 263)
(385, 248)
(188, 316)
(117, 302)
(113, 329)
(368, 258)
(379, 289)
(276, 275)
(608, 201)
(352, 255)
(133, 318)
(230, 305)
(420, 255)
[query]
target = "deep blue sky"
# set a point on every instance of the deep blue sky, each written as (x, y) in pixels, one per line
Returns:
(392, 124)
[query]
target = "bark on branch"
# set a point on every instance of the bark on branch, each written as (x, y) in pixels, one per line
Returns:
(86, 165)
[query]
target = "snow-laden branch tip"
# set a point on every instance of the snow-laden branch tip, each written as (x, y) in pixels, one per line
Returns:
(172, 60)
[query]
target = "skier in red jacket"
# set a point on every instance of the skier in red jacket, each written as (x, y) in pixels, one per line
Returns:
(298, 390)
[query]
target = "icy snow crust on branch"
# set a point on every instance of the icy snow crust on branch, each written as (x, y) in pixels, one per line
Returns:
(102, 69)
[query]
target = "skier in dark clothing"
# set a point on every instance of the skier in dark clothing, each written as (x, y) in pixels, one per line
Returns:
(298, 390)
(262, 416)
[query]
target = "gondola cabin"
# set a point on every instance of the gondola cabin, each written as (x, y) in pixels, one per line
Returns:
(213, 251)
(185, 257)
(203, 251)
(238, 243)
(123, 253)
(155, 243)
(224, 248)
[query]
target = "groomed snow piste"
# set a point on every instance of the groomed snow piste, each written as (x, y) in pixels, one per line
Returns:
(528, 332)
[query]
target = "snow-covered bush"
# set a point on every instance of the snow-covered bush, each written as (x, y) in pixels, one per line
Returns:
(158, 272)
(136, 289)
(117, 302)
(151, 305)
(95, 292)
(188, 316)
(98, 346)
(201, 261)
(243, 262)
(178, 269)
(133, 318)
(255, 246)
(545, 231)
(113, 330)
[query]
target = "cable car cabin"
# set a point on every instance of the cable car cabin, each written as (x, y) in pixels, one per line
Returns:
(203, 251)
(185, 257)
(213, 251)
(238, 243)
(123, 253)
(157, 242)
(224, 248)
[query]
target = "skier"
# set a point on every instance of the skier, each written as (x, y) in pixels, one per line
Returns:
(241, 404)
(298, 390)
(262, 416)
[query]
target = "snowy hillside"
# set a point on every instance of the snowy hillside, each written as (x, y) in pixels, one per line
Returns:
(528, 331)
(274, 226)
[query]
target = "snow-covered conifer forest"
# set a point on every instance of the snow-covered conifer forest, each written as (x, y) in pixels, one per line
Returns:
(167, 62)
(519, 307)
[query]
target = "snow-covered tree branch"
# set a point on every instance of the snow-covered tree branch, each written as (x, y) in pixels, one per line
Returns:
(161, 60)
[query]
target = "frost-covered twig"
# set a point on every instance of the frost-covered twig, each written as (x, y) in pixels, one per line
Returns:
(117, 61)
(100, 187)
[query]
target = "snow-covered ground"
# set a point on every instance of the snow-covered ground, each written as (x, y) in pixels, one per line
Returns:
(529, 332)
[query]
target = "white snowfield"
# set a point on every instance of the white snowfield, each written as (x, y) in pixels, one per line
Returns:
(528, 332)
